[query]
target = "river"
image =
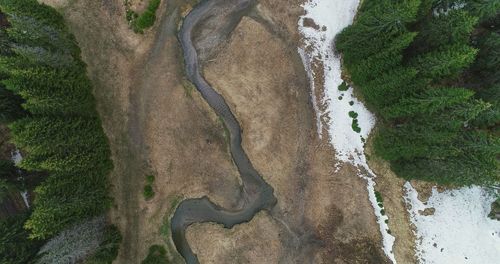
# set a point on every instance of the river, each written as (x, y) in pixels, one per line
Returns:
(256, 195)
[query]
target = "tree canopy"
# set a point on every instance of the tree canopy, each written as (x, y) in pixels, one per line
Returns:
(430, 70)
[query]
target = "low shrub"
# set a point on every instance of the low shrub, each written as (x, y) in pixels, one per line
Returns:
(148, 192)
(145, 20)
(343, 87)
(355, 126)
(156, 255)
(150, 179)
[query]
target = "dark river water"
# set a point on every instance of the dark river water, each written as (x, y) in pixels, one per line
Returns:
(256, 193)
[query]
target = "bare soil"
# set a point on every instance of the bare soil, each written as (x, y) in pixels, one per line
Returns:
(157, 124)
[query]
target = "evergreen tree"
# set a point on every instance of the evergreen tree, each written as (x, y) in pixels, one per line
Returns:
(447, 62)
(61, 133)
(10, 106)
(49, 91)
(15, 246)
(428, 102)
(451, 28)
(484, 9)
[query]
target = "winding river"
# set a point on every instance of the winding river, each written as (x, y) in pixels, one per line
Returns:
(256, 193)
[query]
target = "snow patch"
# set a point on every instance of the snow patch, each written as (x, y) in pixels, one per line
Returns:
(459, 231)
(25, 196)
(330, 17)
(16, 157)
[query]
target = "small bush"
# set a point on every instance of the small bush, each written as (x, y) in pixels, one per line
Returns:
(378, 196)
(131, 16)
(355, 126)
(495, 210)
(145, 20)
(156, 255)
(150, 179)
(351, 103)
(148, 192)
(343, 87)
(353, 114)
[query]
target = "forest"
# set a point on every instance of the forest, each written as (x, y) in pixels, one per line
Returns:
(430, 70)
(47, 103)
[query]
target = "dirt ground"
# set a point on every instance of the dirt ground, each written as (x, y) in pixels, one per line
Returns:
(157, 124)
(325, 217)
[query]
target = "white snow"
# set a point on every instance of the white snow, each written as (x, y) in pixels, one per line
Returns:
(25, 196)
(332, 16)
(16, 157)
(459, 231)
(335, 15)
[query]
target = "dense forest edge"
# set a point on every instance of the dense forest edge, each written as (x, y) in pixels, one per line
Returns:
(47, 102)
(430, 70)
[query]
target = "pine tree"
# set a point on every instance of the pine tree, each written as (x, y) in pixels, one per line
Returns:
(15, 246)
(428, 102)
(447, 62)
(49, 91)
(484, 9)
(10, 106)
(451, 28)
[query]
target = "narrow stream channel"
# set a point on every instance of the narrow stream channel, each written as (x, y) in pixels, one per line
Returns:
(256, 193)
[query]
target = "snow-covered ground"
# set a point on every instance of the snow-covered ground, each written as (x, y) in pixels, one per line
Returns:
(331, 16)
(459, 230)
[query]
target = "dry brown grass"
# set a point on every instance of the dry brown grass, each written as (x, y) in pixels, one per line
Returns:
(154, 126)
